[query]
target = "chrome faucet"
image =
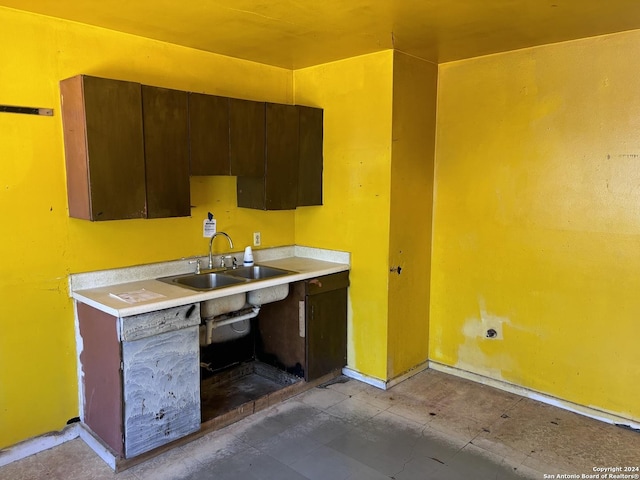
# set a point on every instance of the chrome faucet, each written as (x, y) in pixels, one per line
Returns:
(211, 243)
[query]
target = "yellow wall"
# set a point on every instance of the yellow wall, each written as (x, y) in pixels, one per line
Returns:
(40, 245)
(537, 220)
(412, 164)
(535, 227)
(356, 95)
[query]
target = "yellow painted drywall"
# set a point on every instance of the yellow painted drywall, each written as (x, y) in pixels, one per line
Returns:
(356, 95)
(537, 220)
(412, 164)
(40, 245)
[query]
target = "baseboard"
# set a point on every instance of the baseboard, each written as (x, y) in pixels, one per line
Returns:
(373, 381)
(38, 444)
(96, 445)
(408, 374)
(384, 384)
(540, 397)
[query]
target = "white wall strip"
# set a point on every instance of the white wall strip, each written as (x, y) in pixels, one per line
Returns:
(540, 397)
(375, 382)
(38, 444)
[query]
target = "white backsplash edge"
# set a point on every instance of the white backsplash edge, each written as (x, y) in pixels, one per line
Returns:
(336, 256)
(272, 253)
(103, 278)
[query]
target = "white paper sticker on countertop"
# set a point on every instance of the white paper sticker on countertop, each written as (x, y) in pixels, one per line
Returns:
(137, 296)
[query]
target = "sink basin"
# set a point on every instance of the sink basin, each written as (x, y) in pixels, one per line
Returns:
(224, 278)
(258, 272)
(204, 281)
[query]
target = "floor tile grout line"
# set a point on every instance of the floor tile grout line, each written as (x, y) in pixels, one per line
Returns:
(502, 457)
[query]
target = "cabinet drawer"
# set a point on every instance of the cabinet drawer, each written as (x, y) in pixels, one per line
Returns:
(160, 321)
(327, 283)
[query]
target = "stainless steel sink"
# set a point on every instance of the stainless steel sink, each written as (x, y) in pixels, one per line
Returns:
(204, 281)
(258, 272)
(224, 278)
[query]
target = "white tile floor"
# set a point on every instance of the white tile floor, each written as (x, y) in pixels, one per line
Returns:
(432, 426)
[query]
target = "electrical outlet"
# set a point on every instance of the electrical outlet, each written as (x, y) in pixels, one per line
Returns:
(257, 239)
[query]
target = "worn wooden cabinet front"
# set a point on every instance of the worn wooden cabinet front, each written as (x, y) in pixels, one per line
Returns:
(292, 161)
(130, 149)
(247, 137)
(126, 149)
(307, 331)
(326, 324)
(310, 160)
(161, 389)
(104, 150)
(140, 376)
(209, 134)
(166, 149)
(277, 188)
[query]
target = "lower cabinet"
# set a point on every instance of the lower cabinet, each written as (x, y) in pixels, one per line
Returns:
(326, 324)
(306, 333)
(140, 377)
(161, 377)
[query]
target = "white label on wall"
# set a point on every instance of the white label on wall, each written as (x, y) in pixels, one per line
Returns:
(208, 227)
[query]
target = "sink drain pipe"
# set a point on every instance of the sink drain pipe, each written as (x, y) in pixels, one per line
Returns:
(229, 318)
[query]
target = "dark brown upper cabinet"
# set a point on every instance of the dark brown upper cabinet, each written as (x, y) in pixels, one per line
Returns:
(126, 149)
(277, 189)
(310, 160)
(166, 145)
(131, 148)
(247, 137)
(104, 151)
(209, 134)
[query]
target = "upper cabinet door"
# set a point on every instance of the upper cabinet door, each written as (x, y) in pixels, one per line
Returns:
(166, 145)
(277, 189)
(281, 177)
(209, 134)
(102, 121)
(247, 137)
(310, 156)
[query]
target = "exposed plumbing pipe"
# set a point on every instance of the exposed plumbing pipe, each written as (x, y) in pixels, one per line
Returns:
(223, 320)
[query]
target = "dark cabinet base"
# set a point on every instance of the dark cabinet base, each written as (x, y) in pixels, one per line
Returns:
(307, 331)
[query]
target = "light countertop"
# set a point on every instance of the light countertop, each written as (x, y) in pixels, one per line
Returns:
(302, 268)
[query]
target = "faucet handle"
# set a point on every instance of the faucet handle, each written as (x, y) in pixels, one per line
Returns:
(197, 262)
(223, 264)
